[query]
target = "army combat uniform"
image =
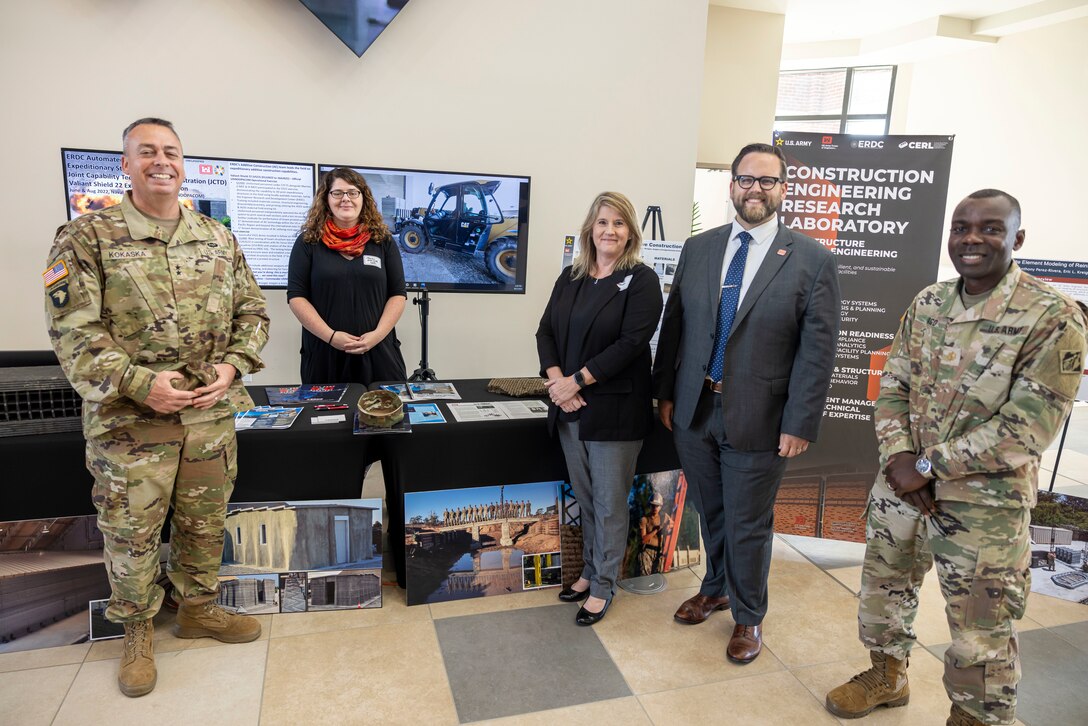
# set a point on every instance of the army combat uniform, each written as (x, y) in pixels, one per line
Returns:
(126, 300)
(981, 392)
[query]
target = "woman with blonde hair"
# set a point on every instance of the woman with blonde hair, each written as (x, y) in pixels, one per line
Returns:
(594, 348)
(345, 284)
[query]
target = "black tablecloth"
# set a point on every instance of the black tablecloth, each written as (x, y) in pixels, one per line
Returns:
(482, 453)
(45, 475)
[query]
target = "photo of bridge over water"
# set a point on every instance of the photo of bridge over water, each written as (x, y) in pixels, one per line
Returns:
(476, 542)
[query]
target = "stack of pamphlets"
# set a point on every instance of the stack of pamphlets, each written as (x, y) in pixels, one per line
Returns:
(404, 426)
(309, 393)
(497, 410)
(432, 390)
(266, 417)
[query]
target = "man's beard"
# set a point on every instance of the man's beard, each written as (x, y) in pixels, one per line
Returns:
(757, 215)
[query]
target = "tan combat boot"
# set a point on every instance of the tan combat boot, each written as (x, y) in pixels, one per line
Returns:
(885, 684)
(959, 717)
(211, 621)
(137, 675)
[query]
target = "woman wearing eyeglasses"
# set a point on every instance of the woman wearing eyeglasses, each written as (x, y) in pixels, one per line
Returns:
(345, 284)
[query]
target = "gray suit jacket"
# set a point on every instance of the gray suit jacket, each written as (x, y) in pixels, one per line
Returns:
(781, 350)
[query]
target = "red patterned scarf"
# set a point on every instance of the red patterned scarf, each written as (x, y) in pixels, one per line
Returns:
(351, 241)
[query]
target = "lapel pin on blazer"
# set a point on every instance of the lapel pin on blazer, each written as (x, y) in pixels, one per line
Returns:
(783, 253)
(623, 285)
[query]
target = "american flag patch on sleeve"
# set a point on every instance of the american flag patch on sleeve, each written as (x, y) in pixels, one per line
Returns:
(58, 271)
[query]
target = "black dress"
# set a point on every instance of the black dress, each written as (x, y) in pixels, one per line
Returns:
(350, 296)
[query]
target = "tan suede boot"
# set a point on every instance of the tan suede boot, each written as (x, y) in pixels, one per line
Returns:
(959, 717)
(211, 621)
(137, 675)
(885, 684)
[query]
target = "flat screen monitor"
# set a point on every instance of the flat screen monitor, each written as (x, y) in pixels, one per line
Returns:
(456, 232)
(263, 202)
(357, 23)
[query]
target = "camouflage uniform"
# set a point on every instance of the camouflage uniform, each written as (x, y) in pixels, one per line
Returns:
(982, 393)
(124, 303)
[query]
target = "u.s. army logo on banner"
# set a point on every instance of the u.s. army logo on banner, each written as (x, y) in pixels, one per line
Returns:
(1071, 361)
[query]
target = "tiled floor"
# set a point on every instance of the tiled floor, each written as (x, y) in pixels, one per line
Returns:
(520, 659)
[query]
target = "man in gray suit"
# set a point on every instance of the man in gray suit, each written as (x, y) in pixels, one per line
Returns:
(744, 359)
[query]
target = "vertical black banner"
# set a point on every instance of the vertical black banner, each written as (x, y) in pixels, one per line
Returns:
(878, 203)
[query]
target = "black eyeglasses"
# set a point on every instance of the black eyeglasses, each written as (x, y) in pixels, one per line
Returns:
(766, 183)
(355, 193)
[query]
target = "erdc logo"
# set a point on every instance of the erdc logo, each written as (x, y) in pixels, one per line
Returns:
(916, 145)
(867, 144)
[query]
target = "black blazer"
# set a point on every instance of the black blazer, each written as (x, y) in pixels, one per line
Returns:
(616, 350)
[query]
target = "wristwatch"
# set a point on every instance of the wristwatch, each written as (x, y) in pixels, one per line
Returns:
(924, 467)
(579, 379)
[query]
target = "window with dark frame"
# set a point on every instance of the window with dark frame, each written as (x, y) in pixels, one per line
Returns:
(836, 100)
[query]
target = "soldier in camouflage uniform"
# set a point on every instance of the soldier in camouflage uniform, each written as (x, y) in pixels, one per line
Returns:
(155, 315)
(980, 377)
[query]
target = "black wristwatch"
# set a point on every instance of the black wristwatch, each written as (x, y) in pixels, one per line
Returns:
(579, 379)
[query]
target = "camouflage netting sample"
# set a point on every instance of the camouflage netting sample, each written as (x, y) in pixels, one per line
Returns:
(519, 387)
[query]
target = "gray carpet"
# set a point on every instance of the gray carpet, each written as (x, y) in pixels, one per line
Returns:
(509, 663)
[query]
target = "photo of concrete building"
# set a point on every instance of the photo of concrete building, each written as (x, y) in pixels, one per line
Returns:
(344, 589)
(277, 537)
(250, 594)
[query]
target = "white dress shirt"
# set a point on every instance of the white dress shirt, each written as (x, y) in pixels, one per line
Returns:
(762, 237)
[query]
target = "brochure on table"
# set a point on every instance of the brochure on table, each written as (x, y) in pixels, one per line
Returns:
(311, 393)
(266, 417)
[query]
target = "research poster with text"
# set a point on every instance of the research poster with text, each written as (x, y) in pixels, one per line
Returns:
(263, 202)
(878, 203)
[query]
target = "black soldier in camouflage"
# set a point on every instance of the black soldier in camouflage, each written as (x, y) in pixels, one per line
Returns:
(980, 377)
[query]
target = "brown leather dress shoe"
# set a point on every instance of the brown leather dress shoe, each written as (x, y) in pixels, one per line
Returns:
(746, 644)
(697, 609)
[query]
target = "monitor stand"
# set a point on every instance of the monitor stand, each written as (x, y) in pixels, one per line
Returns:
(424, 372)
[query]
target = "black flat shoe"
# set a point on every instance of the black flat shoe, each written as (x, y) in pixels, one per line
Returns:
(569, 595)
(584, 617)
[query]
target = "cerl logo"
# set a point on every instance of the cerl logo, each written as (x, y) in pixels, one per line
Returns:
(206, 169)
(916, 145)
(870, 144)
(827, 140)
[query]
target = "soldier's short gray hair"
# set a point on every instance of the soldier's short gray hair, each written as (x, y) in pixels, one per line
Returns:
(152, 120)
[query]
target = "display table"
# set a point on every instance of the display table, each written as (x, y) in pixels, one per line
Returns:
(482, 453)
(45, 475)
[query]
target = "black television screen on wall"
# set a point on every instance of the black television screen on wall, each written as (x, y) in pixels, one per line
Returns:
(456, 232)
(358, 23)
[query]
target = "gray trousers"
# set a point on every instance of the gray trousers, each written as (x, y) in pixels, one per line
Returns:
(734, 493)
(601, 474)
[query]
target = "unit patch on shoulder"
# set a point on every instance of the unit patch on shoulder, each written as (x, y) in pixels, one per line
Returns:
(56, 273)
(1071, 361)
(60, 296)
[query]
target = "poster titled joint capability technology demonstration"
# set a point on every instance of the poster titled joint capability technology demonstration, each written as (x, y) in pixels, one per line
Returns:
(263, 202)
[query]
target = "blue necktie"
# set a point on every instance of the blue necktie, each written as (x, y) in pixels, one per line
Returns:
(727, 309)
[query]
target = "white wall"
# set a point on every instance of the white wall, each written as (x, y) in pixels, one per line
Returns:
(582, 96)
(740, 82)
(1018, 109)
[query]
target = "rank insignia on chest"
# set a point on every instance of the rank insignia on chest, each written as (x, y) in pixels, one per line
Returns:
(1071, 361)
(57, 272)
(59, 295)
